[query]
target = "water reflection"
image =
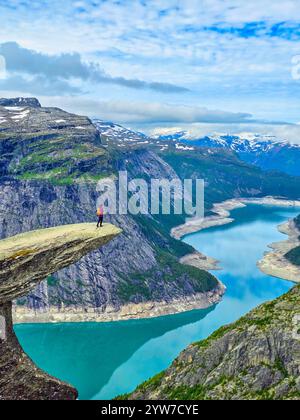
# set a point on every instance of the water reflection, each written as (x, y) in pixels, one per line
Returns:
(87, 355)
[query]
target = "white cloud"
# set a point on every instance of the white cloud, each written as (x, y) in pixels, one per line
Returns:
(145, 112)
(65, 67)
(173, 42)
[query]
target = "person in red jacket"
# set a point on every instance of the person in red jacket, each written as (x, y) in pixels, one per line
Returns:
(100, 214)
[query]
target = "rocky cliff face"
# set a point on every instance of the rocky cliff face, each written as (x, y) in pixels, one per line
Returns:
(268, 152)
(16, 102)
(47, 143)
(258, 357)
(50, 163)
(25, 260)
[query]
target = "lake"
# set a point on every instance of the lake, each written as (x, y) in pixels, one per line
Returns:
(105, 360)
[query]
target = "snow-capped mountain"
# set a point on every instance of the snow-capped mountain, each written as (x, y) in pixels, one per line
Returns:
(267, 152)
(118, 135)
(123, 138)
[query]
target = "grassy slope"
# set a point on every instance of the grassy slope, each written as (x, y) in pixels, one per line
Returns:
(42, 149)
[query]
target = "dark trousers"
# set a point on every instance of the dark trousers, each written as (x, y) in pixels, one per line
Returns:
(100, 221)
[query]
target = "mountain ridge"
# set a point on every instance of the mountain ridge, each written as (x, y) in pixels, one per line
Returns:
(267, 152)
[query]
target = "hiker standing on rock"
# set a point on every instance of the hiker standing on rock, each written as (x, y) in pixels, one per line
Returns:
(100, 214)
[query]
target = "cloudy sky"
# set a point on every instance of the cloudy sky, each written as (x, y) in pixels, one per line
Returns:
(214, 64)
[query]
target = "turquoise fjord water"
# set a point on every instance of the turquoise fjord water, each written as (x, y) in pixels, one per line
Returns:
(105, 360)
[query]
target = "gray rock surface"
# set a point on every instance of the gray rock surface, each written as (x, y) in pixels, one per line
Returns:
(25, 260)
(28, 258)
(20, 379)
(256, 358)
(16, 102)
(50, 162)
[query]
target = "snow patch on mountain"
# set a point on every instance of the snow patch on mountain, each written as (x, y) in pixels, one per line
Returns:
(263, 150)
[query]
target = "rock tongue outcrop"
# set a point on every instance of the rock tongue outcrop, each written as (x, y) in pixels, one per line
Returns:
(25, 260)
(28, 258)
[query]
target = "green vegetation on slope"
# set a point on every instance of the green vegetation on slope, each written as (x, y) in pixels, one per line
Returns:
(179, 277)
(256, 358)
(158, 233)
(294, 256)
(169, 272)
(226, 176)
(60, 161)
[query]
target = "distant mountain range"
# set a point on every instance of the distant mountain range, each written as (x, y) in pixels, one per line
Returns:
(267, 152)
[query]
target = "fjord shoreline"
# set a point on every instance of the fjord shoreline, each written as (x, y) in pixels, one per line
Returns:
(155, 309)
(275, 263)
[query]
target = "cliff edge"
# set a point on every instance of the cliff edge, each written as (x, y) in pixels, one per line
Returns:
(26, 260)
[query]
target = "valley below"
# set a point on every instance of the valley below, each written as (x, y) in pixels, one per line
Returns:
(97, 367)
(123, 312)
(149, 203)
